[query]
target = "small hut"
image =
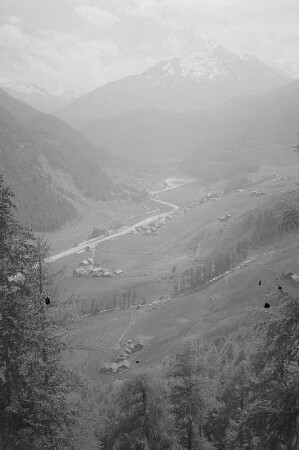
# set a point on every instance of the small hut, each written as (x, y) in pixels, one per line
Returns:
(105, 367)
(124, 365)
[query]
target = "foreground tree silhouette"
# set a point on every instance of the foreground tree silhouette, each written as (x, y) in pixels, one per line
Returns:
(192, 376)
(142, 415)
(33, 412)
(273, 413)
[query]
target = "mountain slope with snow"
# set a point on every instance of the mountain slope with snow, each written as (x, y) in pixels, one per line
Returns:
(178, 85)
(38, 97)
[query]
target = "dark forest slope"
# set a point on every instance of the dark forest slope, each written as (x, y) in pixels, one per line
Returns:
(28, 138)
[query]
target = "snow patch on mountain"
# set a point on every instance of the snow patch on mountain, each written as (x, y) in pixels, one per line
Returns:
(22, 87)
(28, 88)
(212, 65)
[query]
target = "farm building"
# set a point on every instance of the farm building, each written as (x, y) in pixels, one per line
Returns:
(97, 269)
(107, 274)
(130, 346)
(120, 357)
(96, 274)
(108, 368)
(128, 350)
(80, 272)
(105, 367)
(118, 272)
(291, 276)
(114, 367)
(287, 276)
(124, 365)
(295, 279)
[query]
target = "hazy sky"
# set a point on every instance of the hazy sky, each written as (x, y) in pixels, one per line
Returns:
(57, 43)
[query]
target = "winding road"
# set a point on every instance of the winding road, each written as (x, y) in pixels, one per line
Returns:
(172, 183)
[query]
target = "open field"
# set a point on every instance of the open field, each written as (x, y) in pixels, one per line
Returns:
(224, 308)
(219, 310)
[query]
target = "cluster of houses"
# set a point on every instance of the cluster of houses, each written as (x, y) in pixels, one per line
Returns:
(256, 194)
(225, 217)
(121, 362)
(152, 229)
(89, 268)
(209, 196)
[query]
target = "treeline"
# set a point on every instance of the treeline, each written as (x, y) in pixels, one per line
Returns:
(125, 300)
(231, 395)
(198, 276)
(40, 207)
(263, 225)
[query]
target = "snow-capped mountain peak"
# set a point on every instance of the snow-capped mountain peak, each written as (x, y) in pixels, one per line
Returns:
(213, 65)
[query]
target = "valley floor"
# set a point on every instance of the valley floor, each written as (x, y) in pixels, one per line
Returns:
(226, 307)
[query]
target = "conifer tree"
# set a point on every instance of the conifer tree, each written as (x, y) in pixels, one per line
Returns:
(143, 418)
(273, 412)
(33, 413)
(192, 378)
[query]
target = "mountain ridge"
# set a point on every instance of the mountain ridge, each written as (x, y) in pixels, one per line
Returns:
(145, 133)
(38, 97)
(177, 84)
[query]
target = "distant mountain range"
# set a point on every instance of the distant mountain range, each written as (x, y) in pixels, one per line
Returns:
(194, 108)
(38, 97)
(47, 163)
(178, 85)
(270, 117)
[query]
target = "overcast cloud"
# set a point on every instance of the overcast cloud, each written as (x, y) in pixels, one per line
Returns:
(86, 43)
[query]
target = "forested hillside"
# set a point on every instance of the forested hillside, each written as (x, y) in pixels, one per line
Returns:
(28, 139)
(225, 135)
(242, 122)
